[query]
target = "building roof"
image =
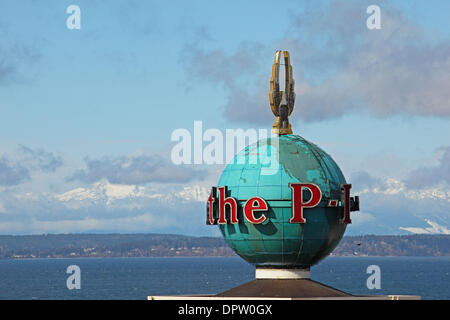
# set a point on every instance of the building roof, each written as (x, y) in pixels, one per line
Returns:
(285, 288)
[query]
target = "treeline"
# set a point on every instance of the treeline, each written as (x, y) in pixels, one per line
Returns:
(166, 245)
(409, 245)
(110, 245)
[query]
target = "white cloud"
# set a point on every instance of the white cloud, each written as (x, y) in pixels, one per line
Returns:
(136, 169)
(140, 223)
(340, 66)
(359, 218)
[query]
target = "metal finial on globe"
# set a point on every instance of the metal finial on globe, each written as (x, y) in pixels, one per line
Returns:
(282, 102)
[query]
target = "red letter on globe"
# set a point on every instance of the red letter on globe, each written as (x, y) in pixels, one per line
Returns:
(297, 200)
(345, 188)
(250, 207)
(210, 206)
(231, 202)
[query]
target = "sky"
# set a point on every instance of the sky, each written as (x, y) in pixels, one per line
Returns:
(87, 114)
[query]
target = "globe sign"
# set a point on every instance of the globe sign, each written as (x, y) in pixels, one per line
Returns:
(286, 209)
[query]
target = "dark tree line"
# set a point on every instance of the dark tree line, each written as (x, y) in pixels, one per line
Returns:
(409, 245)
(166, 245)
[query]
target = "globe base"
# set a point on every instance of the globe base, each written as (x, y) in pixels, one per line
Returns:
(282, 273)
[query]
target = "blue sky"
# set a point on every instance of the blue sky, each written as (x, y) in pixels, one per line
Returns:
(110, 94)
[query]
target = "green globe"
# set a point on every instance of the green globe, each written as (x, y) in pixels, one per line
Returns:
(277, 242)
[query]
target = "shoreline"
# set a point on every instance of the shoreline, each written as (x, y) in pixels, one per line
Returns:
(196, 257)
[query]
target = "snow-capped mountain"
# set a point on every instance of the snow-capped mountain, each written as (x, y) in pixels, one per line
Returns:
(107, 193)
(434, 229)
(393, 186)
(389, 208)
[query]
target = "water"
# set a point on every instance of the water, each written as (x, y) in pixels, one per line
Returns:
(136, 278)
(428, 277)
